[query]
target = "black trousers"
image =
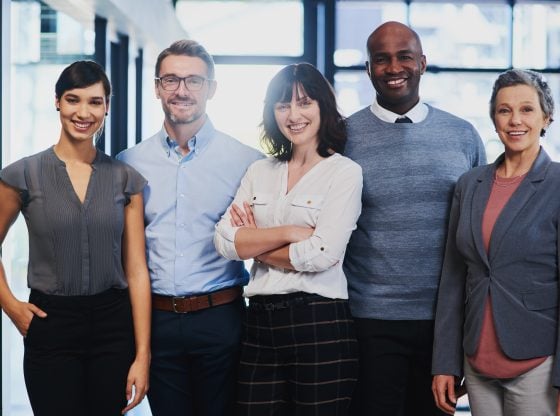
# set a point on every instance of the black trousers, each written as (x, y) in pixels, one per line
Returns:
(194, 361)
(76, 360)
(395, 368)
(299, 357)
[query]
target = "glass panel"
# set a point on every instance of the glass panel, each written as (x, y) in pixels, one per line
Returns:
(355, 20)
(464, 94)
(255, 27)
(536, 36)
(476, 35)
(237, 107)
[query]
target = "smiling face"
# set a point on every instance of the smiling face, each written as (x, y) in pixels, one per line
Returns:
(82, 111)
(300, 119)
(519, 119)
(183, 106)
(395, 66)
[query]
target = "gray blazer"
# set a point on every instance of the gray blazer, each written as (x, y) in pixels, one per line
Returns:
(520, 271)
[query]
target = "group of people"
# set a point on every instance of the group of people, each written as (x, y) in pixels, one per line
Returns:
(389, 261)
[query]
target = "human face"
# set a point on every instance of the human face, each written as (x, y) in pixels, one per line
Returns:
(519, 119)
(395, 66)
(183, 106)
(299, 120)
(82, 111)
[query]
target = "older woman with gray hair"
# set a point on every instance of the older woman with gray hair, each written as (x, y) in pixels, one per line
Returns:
(497, 312)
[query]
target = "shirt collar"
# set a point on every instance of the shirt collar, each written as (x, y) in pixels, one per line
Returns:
(196, 144)
(417, 113)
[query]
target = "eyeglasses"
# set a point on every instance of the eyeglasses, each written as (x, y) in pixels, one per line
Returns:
(172, 82)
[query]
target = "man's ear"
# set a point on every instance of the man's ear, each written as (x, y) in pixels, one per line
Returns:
(212, 85)
(367, 69)
(156, 89)
(423, 64)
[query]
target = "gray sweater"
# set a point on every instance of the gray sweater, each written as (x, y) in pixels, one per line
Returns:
(394, 257)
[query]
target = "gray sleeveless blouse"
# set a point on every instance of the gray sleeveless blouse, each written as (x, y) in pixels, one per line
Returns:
(74, 249)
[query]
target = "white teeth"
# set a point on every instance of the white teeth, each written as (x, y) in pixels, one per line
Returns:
(82, 126)
(395, 82)
(297, 127)
(516, 133)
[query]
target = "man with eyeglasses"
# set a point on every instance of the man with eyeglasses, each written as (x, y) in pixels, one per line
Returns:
(193, 172)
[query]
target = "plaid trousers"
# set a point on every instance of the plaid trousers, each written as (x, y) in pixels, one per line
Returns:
(299, 357)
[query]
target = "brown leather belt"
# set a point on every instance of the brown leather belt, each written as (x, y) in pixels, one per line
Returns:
(184, 304)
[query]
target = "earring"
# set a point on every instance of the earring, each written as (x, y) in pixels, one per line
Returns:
(106, 114)
(57, 108)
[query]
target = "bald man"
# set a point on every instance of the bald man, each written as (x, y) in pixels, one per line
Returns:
(411, 156)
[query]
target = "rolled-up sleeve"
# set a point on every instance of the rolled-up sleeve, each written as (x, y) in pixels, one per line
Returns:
(337, 219)
(224, 234)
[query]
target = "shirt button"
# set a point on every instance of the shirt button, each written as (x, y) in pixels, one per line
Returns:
(181, 255)
(322, 248)
(182, 195)
(308, 202)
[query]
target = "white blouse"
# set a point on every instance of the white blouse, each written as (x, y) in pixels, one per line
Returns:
(327, 198)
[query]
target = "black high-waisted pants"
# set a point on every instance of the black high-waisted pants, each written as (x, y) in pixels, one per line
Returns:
(77, 358)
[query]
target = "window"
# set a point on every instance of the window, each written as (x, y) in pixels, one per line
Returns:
(253, 27)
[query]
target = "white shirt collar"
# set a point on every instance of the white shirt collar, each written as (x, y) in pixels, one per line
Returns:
(417, 113)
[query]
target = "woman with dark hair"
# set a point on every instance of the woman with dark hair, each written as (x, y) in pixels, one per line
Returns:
(86, 326)
(497, 318)
(293, 214)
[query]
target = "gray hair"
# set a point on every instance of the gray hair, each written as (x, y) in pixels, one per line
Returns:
(527, 77)
(187, 47)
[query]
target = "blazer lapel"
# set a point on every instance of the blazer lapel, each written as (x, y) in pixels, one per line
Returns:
(480, 199)
(518, 200)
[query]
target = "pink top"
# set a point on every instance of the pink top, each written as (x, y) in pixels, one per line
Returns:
(489, 359)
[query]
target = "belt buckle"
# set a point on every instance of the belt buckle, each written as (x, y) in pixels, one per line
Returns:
(175, 298)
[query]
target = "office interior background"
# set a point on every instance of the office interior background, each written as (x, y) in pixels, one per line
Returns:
(467, 43)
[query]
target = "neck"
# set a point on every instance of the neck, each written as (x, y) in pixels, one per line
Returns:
(516, 164)
(305, 157)
(183, 132)
(77, 151)
(396, 108)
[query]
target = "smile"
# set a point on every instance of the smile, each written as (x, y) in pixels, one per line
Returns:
(396, 82)
(517, 132)
(297, 127)
(80, 125)
(181, 103)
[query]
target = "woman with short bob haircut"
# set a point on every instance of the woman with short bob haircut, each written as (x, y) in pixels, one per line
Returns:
(86, 326)
(497, 318)
(293, 214)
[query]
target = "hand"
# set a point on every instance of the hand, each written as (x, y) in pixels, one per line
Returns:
(21, 314)
(443, 388)
(558, 405)
(242, 217)
(298, 233)
(137, 377)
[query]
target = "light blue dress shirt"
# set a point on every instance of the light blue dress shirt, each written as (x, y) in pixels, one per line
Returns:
(184, 199)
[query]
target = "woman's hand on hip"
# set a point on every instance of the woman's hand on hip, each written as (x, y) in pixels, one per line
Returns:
(21, 314)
